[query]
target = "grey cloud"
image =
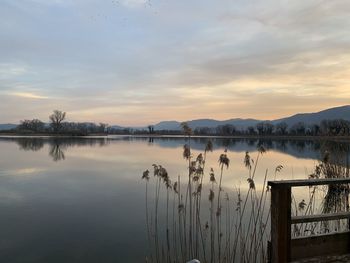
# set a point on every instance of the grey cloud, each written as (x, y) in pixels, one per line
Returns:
(88, 54)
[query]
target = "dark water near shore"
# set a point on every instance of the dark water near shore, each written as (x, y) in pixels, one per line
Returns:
(82, 199)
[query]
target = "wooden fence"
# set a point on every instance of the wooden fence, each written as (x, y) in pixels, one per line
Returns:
(282, 247)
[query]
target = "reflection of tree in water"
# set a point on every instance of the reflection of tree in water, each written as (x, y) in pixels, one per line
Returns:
(338, 152)
(251, 142)
(266, 143)
(295, 147)
(73, 142)
(281, 145)
(299, 148)
(226, 142)
(300, 145)
(56, 152)
(57, 146)
(30, 144)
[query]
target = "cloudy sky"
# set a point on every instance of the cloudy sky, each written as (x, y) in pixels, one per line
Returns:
(136, 62)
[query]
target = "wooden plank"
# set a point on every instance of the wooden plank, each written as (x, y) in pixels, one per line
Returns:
(309, 182)
(320, 217)
(269, 250)
(280, 224)
(320, 245)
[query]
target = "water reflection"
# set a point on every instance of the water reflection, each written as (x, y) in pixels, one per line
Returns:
(89, 203)
(56, 152)
(309, 149)
(30, 144)
(57, 146)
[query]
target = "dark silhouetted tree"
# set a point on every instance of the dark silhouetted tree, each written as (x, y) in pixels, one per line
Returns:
(56, 120)
(265, 128)
(226, 129)
(103, 127)
(315, 129)
(251, 130)
(337, 127)
(34, 125)
(260, 128)
(298, 128)
(150, 129)
(281, 128)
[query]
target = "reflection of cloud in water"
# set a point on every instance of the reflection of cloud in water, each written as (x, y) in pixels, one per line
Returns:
(22, 171)
(101, 157)
(95, 181)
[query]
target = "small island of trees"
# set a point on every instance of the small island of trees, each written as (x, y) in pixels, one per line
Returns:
(58, 126)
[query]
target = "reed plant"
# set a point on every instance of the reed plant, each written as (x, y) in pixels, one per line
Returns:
(324, 199)
(231, 224)
(228, 226)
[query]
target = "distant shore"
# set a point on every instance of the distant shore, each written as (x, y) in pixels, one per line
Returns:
(278, 137)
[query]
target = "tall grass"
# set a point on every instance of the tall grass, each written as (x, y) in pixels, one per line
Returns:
(324, 199)
(227, 226)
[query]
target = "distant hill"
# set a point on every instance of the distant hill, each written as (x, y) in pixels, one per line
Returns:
(210, 123)
(168, 125)
(7, 126)
(342, 112)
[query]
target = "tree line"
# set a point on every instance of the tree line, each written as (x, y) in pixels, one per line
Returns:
(58, 125)
(336, 127)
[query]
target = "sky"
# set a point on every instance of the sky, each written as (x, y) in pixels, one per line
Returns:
(138, 62)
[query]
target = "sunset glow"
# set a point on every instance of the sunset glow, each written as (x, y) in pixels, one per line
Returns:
(136, 62)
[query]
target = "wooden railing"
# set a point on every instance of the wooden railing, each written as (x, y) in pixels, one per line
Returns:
(285, 249)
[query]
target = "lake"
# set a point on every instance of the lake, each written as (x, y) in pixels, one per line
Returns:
(83, 200)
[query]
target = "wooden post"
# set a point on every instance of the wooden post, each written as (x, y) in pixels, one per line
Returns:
(285, 249)
(280, 223)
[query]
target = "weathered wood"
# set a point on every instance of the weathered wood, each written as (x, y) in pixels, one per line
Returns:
(309, 182)
(269, 250)
(285, 249)
(320, 245)
(320, 217)
(280, 224)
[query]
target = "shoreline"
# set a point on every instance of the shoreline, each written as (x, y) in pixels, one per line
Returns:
(256, 137)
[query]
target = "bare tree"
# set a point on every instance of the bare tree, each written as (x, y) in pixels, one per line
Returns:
(265, 128)
(150, 129)
(56, 119)
(281, 128)
(34, 125)
(103, 127)
(298, 128)
(251, 130)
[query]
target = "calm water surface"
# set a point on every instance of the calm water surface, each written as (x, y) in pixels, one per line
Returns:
(82, 200)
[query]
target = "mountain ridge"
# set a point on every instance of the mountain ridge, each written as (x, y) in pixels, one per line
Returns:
(340, 112)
